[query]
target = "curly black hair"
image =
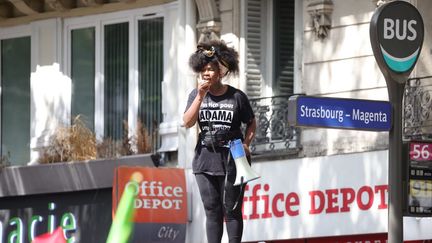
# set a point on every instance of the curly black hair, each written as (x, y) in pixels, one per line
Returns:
(216, 52)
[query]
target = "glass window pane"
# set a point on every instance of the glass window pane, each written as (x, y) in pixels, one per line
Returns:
(82, 74)
(15, 99)
(150, 69)
(116, 78)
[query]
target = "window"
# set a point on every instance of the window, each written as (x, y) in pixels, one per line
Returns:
(269, 47)
(116, 66)
(15, 100)
(83, 74)
(116, 78)
(150, 64)
(270, 71)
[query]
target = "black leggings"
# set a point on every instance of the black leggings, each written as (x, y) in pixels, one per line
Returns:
(211, 190)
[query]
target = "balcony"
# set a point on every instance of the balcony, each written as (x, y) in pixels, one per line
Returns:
(274, 137)
(417, 120)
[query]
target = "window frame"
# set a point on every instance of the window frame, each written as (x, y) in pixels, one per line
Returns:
(98, 22)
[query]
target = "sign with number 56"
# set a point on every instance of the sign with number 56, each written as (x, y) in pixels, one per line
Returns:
(420, 151)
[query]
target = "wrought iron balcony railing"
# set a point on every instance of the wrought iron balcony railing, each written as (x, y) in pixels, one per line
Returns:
(417, 124)
(273, 135)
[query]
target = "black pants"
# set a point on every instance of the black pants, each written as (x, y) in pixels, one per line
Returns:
(212, 190)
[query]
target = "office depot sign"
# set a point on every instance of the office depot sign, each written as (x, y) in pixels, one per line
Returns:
(160, 197)
(160, 203)
(334, 200)
(317, 197)
(321, 197)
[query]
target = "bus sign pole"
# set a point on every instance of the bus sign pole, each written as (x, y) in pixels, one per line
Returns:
(396, 35)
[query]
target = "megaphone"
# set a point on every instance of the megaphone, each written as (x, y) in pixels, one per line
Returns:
(245, 173)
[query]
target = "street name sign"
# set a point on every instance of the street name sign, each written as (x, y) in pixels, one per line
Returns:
(356, 114)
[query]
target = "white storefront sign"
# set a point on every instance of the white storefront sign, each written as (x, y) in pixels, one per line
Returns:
(320, 196)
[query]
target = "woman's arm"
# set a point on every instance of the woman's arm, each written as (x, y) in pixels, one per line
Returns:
(191, 115)
(249, 135)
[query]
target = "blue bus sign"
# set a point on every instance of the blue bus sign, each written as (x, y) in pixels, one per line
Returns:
(340, 113)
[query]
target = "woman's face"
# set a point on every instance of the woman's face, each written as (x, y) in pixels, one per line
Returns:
(210, 73)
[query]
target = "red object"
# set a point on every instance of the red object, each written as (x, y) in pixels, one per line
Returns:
(161, 197)
(54, 237)
(420, 151)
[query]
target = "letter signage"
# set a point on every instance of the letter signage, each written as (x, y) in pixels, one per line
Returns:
(160, 203)
(420, 179)
(397, 37)
(325, 112)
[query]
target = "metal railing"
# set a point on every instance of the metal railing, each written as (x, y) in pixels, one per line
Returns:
(273, 135)
(417, 109)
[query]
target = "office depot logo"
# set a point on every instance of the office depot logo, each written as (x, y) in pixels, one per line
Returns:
(397, 35)
(160, 196)
(155, 195)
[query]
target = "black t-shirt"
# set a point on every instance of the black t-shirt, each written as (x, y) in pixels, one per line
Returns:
(226, 113)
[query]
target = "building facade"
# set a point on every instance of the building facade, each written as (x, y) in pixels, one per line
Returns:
(122, 66)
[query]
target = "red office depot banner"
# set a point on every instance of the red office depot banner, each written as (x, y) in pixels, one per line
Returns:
(160, 196)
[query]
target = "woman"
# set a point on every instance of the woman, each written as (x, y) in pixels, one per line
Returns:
(220, 110)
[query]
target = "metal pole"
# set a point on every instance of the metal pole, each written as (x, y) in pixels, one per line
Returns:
(395, 184)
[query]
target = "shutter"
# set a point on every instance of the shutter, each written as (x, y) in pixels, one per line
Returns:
(284, 47)
(254, 48)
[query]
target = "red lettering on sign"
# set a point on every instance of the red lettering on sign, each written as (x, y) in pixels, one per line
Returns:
(348, 197)
(332, 196)
(292, 200)
(313, 196)
(370, 198)
(275, 206)
(276, 212)
(262, 204)
(382, 189)
(266, 213)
